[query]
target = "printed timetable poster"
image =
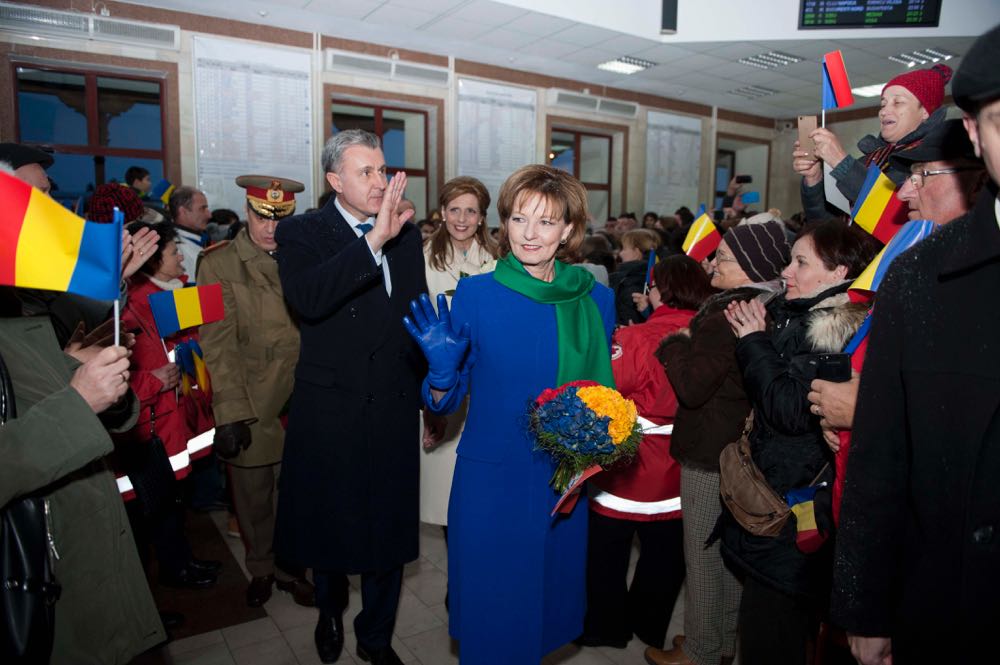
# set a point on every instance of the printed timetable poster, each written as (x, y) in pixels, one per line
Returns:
(253, 115)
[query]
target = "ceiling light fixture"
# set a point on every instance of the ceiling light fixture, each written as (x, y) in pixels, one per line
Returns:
(869, 90)
(626, 65)
(921, 56)
(770, 60)
(752, 92)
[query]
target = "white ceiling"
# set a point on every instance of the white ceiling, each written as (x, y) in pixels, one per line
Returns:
(510, 35)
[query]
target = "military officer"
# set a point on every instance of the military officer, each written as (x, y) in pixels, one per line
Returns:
(251, 356)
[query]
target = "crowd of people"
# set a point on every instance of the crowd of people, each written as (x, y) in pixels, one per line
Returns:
(371, 372)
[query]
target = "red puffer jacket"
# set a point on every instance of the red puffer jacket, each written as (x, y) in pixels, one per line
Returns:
(648, 489)
(183, 422)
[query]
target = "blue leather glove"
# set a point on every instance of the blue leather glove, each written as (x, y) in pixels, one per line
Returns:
(442, 346)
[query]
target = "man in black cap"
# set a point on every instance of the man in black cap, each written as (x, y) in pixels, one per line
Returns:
(945, 175)
(29, 164)
(917, 564)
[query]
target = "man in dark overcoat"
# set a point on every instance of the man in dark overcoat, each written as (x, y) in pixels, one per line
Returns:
(348, 499)
(917, 566)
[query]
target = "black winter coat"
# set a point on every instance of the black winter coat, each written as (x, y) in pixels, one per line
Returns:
(348, 499)
(786, 441)
(918, 553)
(712, 406)
(628, 279)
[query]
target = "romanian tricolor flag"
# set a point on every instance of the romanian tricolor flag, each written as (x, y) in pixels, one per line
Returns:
(162, 191)
(808, 537)
(909, 235)
(878, 210)
(184, 308)
(702, 238)
(45, 246)
(836, 88)
(191, 361)
(653, 260)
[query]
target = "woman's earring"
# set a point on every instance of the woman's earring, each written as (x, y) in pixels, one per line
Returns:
(563, 241)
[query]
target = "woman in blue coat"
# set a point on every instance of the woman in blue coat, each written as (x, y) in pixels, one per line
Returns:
(516, 575)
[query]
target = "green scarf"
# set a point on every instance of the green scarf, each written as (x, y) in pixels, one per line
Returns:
(583, 346)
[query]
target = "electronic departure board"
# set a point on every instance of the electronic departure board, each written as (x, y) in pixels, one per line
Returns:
(827, 14)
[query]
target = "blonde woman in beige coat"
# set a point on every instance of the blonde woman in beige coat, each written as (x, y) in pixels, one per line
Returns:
(460, 247)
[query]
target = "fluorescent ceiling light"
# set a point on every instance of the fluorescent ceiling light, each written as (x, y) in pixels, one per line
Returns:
(869, 90)
(626, 65)
(922, 56)
(752, 92)
(770, 60)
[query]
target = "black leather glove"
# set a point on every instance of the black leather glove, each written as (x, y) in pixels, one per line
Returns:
(231, 438)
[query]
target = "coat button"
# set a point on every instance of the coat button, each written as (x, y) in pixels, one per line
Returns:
(370, 398)
(371, 357)
(983, 535)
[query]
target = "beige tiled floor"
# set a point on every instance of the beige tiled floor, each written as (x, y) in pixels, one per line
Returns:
(285, 636)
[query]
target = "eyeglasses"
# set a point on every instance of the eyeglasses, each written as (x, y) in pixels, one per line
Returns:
(917, 179)
(723, 258)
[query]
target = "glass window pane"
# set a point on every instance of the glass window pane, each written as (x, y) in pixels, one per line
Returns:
(51, 107)
(115, 167)
(128, 113)
(349, 116)
(403, 140)
(561, 154)
(595, 159)
(73, 178)
(416, 191)
(597, 205)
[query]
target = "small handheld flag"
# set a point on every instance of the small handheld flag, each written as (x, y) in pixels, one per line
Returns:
(191, 361)
(653, 260)
(836, 87)
(909, 235)
(878, 210)
(802, 502)
(45, 246)
(187, 307)
(702, 238)
(162, 191)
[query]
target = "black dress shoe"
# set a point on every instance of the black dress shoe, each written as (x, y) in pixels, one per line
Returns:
(303, 593)
(189, 578)
(329, 637)
(171, 620)
(208, 565)
(259, 591)
(386, 656)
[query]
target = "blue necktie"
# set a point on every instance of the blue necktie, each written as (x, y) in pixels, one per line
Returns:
(365, 228)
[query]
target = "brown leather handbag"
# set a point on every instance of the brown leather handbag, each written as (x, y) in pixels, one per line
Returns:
(747, 495)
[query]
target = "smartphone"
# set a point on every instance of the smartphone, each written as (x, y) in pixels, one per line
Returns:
(743, 179)
(719, 215)
(834, 367)
(750, 197)
(807, 125)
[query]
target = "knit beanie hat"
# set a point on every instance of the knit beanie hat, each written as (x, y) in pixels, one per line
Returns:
(927, 85)
(761, 249)
(110, 195)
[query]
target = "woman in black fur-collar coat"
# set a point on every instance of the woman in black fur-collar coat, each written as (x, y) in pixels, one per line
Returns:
(783, 586)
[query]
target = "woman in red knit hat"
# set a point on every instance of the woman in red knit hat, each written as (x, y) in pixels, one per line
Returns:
(911, 107)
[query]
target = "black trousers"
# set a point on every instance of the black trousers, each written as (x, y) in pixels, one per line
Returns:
(614, 610)
(775, 628)
(379, 600)
(165, 532)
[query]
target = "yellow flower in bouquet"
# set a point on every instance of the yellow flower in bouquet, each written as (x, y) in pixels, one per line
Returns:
(608, 402)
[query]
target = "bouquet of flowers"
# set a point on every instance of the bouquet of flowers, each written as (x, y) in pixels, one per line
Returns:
(583, 425)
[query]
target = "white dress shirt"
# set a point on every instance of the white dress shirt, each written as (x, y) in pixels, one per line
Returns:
(378, 256)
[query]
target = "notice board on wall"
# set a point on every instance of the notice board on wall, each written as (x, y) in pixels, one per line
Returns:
(253, 115)
(673, 162)
(496, 133)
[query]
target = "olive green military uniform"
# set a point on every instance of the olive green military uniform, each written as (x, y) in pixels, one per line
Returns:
(57, 446)
(251, 356)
